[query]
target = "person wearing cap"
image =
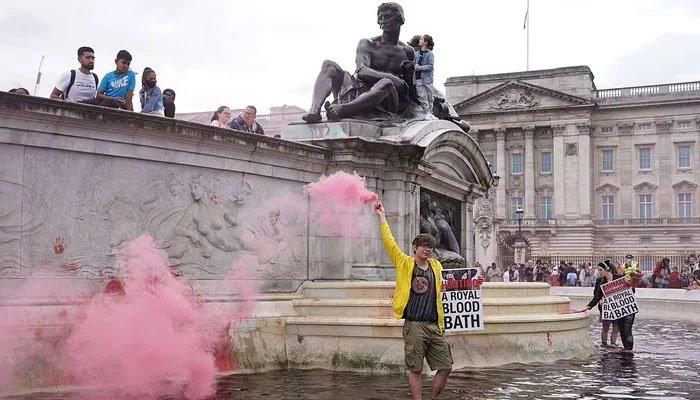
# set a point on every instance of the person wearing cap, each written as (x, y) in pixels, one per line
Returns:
(606, 273)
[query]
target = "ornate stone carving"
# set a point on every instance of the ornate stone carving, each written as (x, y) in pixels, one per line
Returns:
(684, 185)
(485, 228)
(571, 149)
(23, 211)
(439, 217)
(584, 129)
(545, 190)
(558, 130)
(515, 99)
(625, 128)
(644, 187)
(607, 188)
(664, 126)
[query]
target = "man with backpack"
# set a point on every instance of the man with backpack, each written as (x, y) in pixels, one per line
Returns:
(79, 86)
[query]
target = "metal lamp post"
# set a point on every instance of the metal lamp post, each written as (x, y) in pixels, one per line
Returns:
(519, 245)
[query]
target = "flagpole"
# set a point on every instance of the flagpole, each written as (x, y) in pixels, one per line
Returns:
(527, 21)
(38, 75)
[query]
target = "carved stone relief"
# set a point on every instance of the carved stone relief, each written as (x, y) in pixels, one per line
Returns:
(571, 149)
(515, 99)
(203, 222)
(23, 211)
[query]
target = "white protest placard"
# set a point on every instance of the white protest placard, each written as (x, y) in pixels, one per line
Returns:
(619, 300)
(461, 300)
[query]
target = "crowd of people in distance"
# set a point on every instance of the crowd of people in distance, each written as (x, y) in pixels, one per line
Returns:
(116, 90)
(686, 276)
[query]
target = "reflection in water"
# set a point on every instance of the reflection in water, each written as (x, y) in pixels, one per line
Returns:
(666, 365)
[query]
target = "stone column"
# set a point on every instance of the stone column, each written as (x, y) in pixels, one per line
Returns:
(625, 169)
(558, 170)
(665, 153)
(584, 164)
(502, 171)
(468, 240)
(529, 172)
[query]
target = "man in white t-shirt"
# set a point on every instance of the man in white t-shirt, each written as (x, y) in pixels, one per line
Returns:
(79, 85)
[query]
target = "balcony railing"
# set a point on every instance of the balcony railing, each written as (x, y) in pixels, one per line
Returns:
(531, 222)
(542, 223)
(647, 221)
(648, 90)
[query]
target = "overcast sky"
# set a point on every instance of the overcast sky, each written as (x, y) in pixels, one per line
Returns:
(268, 53)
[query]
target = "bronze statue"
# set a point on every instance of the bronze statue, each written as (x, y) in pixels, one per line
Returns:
(381, 86)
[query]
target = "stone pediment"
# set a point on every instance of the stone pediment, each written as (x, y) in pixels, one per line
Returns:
(684, 185)
(607, 188)
(645, 187)
(518, 96)
(544, 189)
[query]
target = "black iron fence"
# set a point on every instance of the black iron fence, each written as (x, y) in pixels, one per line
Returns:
(646, 259)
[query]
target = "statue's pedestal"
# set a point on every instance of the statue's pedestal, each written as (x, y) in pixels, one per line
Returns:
(337, 129)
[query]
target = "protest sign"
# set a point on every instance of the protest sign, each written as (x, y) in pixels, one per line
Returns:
(461, 300)
(619, 300)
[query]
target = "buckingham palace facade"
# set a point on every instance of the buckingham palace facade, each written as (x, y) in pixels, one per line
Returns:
(593, 171)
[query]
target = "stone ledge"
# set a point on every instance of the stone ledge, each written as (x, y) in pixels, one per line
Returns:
(511, 301)
(347, 284)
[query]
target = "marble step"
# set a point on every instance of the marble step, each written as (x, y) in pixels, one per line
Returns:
(348, 289)
(376, 344)
(385, 290)
(391, 328)
(382, 308)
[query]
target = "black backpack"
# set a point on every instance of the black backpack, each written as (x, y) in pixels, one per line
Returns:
(72, 81)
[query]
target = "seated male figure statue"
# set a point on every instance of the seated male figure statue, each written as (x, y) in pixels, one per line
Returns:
(382, 83)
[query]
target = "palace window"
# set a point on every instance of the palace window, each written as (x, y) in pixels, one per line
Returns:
(645, 127)
(644, 206)
(516, 163)
(608, 160)
(546, 209)
(545, 162)
(684, 156)
(685, 205)
(644, 158)
(608, 202)
(515, 204)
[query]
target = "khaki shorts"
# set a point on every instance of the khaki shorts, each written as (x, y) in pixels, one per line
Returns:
(423, 340)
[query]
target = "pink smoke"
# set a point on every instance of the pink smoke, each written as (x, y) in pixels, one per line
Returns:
(339, 199)
(149, 341)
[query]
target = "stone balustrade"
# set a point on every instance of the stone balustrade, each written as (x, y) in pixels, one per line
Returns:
(649, 90)
(647, 221)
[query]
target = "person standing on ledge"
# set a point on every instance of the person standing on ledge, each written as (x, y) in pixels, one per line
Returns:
(417, 300)
(424, 61)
